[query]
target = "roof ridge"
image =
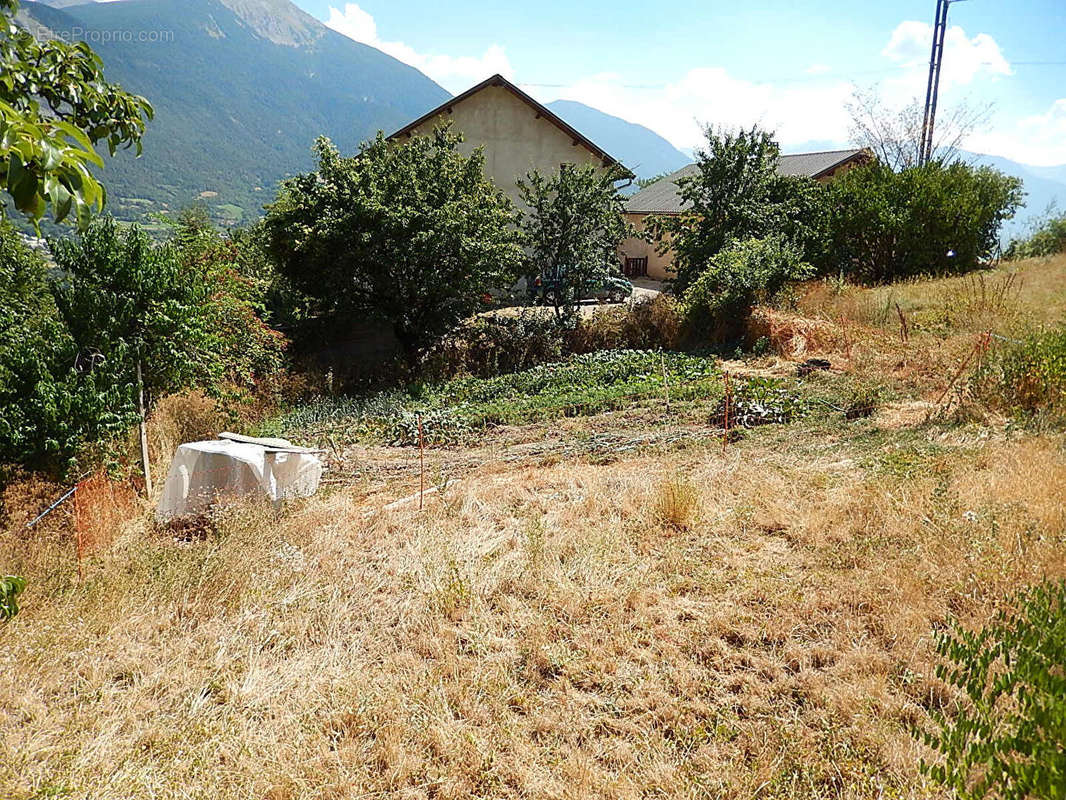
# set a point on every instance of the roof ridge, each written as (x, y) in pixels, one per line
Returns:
(823, 152)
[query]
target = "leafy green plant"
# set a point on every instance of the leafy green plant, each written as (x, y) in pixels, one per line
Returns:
(574, 225)
(55, 107)
(584, 384)
(733, 281)
(441, 427)
(1025, 377)
(11, 586)
(861, 401)
(413, 234)
(762, 401)
(1008, 740)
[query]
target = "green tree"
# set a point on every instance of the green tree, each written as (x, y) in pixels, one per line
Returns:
(574, 226)
(930, 220)
(736, 193)
(55, 107)
(412, 233)
(240, 281)
(53, 397)
(1047, 237)
(1008, 740)
(128, 299)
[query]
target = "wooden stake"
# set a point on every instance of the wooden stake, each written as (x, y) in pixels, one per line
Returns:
(666, 380)
(144, 433)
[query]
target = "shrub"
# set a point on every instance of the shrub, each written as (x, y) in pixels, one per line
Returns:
(1025, 377)
(930, 220)
(1047, 239)
(648, 325)
(735, 280)
(497, 344)
(1007, 740)
(487, 346)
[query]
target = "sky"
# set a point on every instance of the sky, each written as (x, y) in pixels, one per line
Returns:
(789, 66)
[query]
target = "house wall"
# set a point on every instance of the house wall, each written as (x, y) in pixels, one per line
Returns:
(659, 265)
(515, 139)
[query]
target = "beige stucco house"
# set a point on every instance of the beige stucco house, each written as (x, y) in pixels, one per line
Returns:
(642, 259)
(517, 133)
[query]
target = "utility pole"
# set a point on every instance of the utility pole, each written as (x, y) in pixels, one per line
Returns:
(936, 60)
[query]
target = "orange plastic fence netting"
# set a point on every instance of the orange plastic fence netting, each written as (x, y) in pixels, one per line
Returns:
(100, 507)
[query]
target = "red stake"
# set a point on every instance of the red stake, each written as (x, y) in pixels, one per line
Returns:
(728, 392)
(421, 464)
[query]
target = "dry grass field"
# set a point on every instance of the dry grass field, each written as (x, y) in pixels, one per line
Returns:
(566, 618)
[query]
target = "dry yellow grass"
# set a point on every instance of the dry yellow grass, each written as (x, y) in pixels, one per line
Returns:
(535, 632)
(676, 621)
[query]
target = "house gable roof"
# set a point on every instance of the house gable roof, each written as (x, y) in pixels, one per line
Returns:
(662, 196)
(541, 110)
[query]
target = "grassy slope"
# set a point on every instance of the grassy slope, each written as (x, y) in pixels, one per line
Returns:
(569, 618)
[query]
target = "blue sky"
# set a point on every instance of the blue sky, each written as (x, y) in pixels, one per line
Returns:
(786, 65)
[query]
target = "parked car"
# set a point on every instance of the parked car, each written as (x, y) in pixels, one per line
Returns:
(609, 288)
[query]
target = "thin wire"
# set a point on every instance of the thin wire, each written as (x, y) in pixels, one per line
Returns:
(820, 76)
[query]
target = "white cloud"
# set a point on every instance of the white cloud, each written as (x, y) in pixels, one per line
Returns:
(1039, 139)
(711, 95)
(454, 73)
(800, 111)
(964, 60)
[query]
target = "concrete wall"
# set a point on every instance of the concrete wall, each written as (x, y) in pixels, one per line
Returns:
(515, 139)
(659, 266)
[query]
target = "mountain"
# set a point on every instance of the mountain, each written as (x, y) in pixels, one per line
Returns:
(642, 150)
(241, 89)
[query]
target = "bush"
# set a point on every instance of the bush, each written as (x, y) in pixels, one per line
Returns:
(498, 344)
(1007, 740)
(1026, 377)
(487, 346)
(649, 325)
(746, 273)
(930, 220)
(1047, 239)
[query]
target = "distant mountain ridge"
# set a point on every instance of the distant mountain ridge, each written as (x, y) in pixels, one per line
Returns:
(241, 89)
(641, 149)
